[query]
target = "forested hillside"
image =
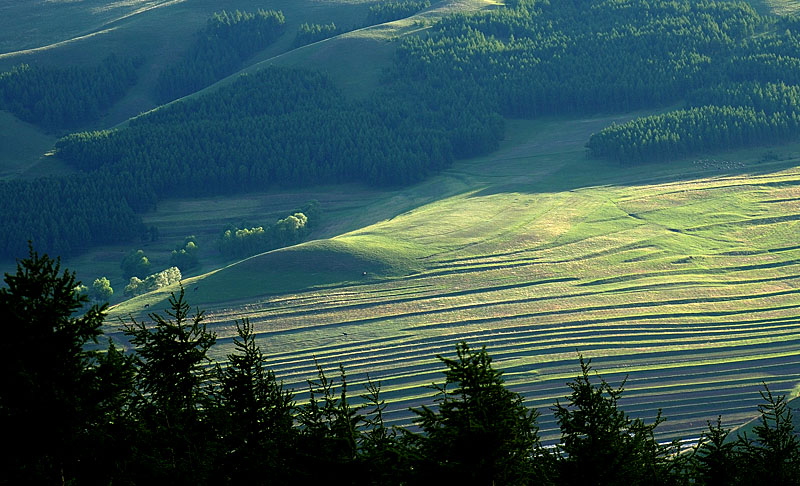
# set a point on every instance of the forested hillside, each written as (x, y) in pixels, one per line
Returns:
(533, 58)
(220, 49)
(64, 98)
(276, 127)
(443, 98)
(68, 214)
(273, 127)
(542, 58)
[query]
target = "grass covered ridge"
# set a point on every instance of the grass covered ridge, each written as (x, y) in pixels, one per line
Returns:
(681, 277)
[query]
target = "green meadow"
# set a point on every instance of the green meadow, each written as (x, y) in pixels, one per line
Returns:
(682, 277)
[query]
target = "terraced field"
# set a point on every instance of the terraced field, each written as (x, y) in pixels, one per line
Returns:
(682, 277)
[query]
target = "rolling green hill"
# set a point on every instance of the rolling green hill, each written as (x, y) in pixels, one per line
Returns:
(681, 277)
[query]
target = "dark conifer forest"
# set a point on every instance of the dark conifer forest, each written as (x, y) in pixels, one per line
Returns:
(310, 33)
(388, 11)
(229, 39)
(58, 98)
(79, 411)
(732, 73)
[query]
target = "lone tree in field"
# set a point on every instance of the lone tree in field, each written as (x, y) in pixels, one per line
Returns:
(102, 290)
(480, 433)
(185, 256)
(135, 264)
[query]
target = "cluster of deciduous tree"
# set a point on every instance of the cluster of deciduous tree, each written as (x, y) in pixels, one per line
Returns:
(164, 413)
(310, 33)
(386, 11)
(158, 280)
(65, 97)
(135, 264)
(184, 256)
(229, 39)
(101, 290)
(245, 241)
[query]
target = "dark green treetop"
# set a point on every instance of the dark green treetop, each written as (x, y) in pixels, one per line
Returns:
(602, 445)
(480, 433)
(56, 394)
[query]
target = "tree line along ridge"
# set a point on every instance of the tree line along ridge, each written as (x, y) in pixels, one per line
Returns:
(443, 98)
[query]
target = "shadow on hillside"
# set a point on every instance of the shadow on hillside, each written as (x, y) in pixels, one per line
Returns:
(538, 157)
(549, 155)
(567, 179)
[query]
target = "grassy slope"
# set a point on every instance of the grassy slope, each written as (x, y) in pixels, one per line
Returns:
(682, 276)
(37, 24)
(158, 30)
(354, 59)
(779, 7)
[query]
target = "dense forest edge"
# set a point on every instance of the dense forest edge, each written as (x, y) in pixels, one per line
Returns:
(444, 98)
(163, 412)
(228, 40)
(59, 98)
(380, 12)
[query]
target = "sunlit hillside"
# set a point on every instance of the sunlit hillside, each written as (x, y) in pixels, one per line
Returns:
(681, 278)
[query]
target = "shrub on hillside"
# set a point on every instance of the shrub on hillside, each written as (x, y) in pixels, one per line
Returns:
(185, 256)
(101, 290)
